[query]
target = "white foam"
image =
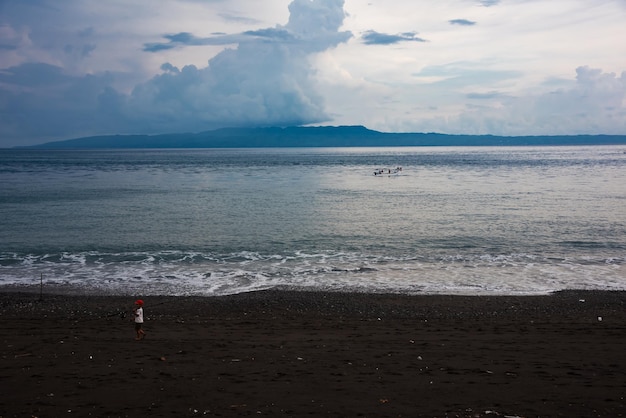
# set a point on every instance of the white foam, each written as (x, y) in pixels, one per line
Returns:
(214, 274)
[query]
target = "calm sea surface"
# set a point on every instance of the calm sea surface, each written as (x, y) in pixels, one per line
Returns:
(481, 220)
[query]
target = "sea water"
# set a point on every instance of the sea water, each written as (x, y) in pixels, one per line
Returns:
(473, 220)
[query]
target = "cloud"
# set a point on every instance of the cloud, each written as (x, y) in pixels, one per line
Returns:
(281, 35)
(265, 79)
(462, 22)
(83, 67)
(313, 25)
(459, 75)
(185, 39)
(39, 100)
(372, 37)
(483, 96)
(238, 19)
(593, 103)
(595, 96)
(9, 38)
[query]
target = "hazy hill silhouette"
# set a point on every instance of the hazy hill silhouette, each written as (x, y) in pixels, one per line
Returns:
(326, 136)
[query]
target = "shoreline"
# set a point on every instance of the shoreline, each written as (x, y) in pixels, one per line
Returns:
(60, 289)
(302, 353)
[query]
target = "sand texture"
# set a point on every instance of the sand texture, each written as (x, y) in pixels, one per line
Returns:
(297, 354)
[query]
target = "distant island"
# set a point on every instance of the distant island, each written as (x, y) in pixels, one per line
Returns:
(324, 136)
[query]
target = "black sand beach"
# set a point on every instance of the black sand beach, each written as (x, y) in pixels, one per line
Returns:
(295, 354)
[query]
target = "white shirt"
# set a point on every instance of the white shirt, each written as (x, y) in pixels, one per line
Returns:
(139, 315)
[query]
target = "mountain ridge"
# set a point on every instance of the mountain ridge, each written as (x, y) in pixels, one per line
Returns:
(322, 136)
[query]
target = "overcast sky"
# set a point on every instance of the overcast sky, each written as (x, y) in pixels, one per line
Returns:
(71, 68)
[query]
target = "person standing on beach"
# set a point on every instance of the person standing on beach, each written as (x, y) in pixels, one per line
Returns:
(139, 320)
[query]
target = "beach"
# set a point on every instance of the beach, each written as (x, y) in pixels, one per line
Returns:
(294, 354)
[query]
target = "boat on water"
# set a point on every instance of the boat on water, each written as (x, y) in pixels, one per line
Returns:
(388, 171)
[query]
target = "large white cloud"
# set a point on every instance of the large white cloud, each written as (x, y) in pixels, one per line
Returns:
(265, 80)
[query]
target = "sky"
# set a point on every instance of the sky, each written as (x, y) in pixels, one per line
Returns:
(74, 68)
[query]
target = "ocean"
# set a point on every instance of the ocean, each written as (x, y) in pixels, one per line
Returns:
(455, 220)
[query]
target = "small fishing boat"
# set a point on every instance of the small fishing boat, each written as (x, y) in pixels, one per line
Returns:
(388, 171)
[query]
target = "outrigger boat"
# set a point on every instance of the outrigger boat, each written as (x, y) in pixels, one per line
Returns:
(388, 171)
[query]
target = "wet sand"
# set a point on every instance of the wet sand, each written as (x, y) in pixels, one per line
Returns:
(295, 354)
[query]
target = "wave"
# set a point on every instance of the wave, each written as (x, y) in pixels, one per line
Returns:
(212, 274)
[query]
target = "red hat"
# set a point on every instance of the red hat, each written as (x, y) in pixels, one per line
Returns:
(139, 302)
